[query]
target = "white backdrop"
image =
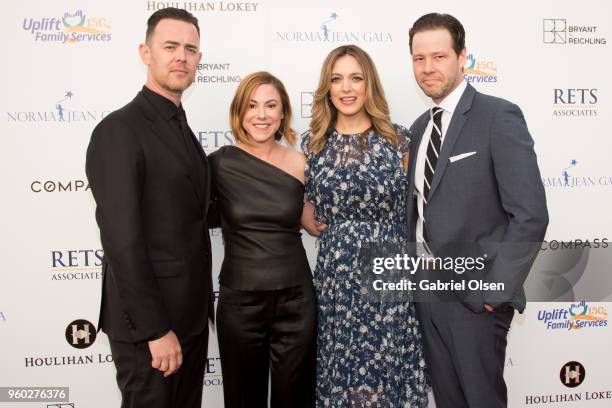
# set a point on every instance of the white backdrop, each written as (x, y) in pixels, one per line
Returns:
(549, 57)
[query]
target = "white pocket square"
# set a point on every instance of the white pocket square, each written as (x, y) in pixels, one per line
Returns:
(460, 156)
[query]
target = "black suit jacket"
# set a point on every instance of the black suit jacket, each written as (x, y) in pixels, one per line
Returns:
(152, 202)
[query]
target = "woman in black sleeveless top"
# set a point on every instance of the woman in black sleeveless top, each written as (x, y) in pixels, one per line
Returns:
(266, 316)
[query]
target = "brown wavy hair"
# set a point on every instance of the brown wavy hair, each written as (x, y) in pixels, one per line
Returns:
(324, 113)
(241, 100)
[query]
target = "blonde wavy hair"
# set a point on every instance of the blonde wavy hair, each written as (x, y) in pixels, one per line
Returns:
(324, 113)
(241, 100)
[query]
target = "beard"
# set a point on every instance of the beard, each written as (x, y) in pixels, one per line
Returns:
(173, 83)
(178, 84)
(440, 92)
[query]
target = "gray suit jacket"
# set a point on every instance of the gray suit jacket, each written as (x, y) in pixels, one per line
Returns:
(493, 196)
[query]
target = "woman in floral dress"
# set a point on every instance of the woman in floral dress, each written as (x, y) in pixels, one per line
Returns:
(369, 353)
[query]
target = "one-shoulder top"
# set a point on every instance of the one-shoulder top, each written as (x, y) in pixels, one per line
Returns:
(259, 208)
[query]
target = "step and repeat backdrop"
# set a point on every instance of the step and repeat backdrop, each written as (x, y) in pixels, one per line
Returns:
(67, 64)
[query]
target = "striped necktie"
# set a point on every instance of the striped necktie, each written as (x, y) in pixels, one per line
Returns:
(433, 151)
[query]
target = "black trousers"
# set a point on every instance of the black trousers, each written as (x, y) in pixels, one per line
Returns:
(263, 334)
(143, 386)
(465, 353)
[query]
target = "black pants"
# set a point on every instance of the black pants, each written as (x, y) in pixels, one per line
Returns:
(267, 333)
(465, 353)
(143, 386)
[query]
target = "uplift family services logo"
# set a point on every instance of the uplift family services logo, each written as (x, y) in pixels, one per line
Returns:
(577, 316)
(70, 28)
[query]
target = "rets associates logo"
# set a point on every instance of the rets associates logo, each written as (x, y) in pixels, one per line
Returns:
(76, 264)
(575, 102)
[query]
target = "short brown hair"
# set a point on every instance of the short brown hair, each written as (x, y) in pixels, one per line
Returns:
(241, 100)
(172, 13)
(434, 21)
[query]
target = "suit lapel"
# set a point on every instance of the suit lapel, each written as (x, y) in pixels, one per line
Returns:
(417, 133)
(453, 132)
(202, 168)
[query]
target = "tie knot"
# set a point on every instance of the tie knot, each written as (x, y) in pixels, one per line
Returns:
(435, 110)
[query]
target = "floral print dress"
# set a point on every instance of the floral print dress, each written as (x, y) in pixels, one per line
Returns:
(369, 353)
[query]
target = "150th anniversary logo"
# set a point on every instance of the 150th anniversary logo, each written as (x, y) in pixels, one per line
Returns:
(479, 70)
(71, 27)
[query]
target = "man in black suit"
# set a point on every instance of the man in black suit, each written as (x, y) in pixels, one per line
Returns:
(151, 184)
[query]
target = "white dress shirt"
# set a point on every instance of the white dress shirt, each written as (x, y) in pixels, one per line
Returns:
(448, 106)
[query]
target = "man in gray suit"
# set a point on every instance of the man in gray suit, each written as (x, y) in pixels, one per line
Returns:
(474, 179)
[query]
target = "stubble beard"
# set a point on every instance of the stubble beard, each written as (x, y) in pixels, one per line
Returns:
(177, 86)
(440, 93)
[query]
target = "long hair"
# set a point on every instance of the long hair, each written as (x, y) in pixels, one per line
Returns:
(324, 113)
(241, 101)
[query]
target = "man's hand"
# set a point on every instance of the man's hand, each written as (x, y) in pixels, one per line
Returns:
(320, 226)
(309, 222)
(166, 354)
